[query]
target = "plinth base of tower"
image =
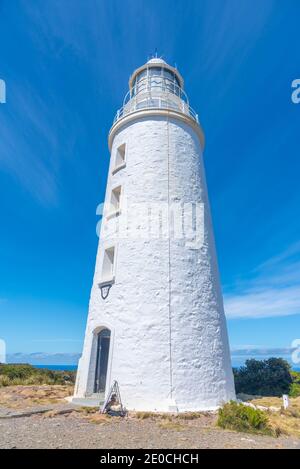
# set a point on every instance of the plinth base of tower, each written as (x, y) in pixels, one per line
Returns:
(95, 400)
(166, 406)
(171, 406)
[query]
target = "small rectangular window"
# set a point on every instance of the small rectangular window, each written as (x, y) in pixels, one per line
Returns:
(120, 161)
(115, 202)
(108, 264)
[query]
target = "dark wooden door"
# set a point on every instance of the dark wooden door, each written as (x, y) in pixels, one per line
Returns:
(103, 343)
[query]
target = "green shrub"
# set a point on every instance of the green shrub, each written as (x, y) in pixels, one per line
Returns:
(234, 416)
(20, 374)
(16, 371)
(270, 377)
(295, 387)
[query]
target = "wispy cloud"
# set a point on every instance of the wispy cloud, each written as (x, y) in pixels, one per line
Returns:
(273, 288)
(28, 144)
(40, 122)
(243, 35)
(258, 303)
(55, 340)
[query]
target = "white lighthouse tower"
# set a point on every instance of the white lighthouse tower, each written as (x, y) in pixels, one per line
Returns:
(156, 322)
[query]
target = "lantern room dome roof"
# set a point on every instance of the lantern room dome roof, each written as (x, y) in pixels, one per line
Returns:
(156, 60)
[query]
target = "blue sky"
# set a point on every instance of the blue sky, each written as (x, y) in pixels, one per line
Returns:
(66, 66)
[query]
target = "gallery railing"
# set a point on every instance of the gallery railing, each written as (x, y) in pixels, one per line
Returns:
(156, 94)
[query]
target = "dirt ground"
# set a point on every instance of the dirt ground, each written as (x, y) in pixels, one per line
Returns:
(39, 417)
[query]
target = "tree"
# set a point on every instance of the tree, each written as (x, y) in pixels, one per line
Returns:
(270, 377)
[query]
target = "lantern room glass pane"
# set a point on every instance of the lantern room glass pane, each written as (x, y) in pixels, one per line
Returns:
(156, 79)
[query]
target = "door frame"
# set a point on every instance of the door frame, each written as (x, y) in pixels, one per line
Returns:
(93, 356)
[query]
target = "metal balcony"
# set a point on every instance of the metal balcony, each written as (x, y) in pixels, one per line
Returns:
(152, 93)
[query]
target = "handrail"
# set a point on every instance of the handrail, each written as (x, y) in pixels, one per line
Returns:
(156, 92)
(156, 103)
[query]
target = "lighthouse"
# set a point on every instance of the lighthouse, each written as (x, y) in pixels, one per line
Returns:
(156, 321)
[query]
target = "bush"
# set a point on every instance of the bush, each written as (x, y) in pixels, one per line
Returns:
(4, 381)
(270, 377)
(20, 374)
(16, 371)
(295, 387)
(234, 416)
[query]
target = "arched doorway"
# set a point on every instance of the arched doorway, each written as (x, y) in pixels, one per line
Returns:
(103, 343)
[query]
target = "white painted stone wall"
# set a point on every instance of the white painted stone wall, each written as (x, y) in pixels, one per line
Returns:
(161, 357)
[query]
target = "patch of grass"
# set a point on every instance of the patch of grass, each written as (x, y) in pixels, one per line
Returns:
(267, 401)
(277, 402)
(28, 396)
(101, 419)
(4, 381)
(165, 416)
(292, 412)
(238, 417)
(88, 410)
(45, 401)
(285, 421)
(168, 416)
(145, 415)
(190, 415)
(171, 425)
(49, 415)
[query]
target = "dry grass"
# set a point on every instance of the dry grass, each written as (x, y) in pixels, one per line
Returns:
(172, 425)
(151, 415)
(276, 402)
(144, 415)
(167, 416)
(50, 414)
(287, 421)
(285, 424)
(88, 410)
(191, 415)
(17, 397)
(101, 419)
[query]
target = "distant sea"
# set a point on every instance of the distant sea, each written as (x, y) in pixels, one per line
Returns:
(236, 363)
(58, 367)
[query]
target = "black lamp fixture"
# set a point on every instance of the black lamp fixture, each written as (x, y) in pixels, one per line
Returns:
(105, 288)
